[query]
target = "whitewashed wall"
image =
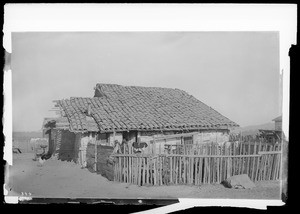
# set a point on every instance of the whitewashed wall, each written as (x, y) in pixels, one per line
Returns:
(214, 136)
(77, 146)
(112, 137)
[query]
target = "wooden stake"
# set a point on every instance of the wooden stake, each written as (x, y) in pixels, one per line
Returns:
(257, 164)
(120, 170)
(221, 165)
(154, 170)
(248, 162)
(147, 171)
(196, 170)
(253, 163)
(218, 165)
(95, 166)
(144, 171)
(161, 170)
(209, 164)
(130, 169)
(171, 170)
(243, 152)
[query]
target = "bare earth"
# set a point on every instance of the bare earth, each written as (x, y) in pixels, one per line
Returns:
(66, 179)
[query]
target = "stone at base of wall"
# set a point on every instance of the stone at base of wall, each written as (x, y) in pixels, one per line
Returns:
(239, 182)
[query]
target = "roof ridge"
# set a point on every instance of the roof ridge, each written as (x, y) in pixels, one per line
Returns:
(137, 86)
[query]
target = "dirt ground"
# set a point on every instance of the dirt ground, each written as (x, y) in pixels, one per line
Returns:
(66, 179)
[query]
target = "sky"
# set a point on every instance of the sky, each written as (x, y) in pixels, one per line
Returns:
(236, 73)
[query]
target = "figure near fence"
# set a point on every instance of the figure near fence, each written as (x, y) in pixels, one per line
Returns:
(125, 146)
(120, 148)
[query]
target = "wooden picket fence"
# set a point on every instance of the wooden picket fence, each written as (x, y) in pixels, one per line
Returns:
(198, 164)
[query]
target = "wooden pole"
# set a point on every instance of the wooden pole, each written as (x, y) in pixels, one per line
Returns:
(243, 160)
(138, 171)
(180, 172)
(225, 163)
(209, 163)
(177, 170)
(248, 162)
(218, 165)
(95, 163)
(147, 171)
(271, 161)
(280, 167)
(264, 164)
(277, 163)
(253, 163)
(228, 162)
(204, 165)
(115, 166)
(183, 169)
(127, 159)
(258, 163)
(196, 169)
(261, 168)
(240, 159)
(221, 163)
(171, 168)
(160, 164)
(268, 164)
(129, 169)
(144, 171)
(154, 170)
(200, 170)
(192, 170)
(188, 170)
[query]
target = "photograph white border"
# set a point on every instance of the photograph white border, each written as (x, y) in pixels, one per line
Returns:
(154, 17)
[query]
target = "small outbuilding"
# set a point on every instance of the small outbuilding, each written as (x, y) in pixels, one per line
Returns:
(278, 123)
(273, 136)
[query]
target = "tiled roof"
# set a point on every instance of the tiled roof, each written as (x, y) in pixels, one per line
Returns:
(278, 119)
(120, 108)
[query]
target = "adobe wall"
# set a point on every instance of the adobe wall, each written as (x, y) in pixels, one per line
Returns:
(218, 136)
(278, 125)
(204, 136)
(67, 146)
(76, 147)
(104, 163)
(85, 139)
(55, 137)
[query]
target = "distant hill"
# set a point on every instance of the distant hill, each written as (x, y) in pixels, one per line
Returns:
(24, 136)
(253, 130)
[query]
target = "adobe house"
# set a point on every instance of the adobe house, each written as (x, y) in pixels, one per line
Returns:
(275, 135)
(131, 112)
(278, 123)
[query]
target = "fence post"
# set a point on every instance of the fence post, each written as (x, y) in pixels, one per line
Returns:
(228, 162)
(154, 170)
(96, 160)
(221, 162)
(171, 166)
(258, 162)
(253, 162)
(144, 170)
(248, 160)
